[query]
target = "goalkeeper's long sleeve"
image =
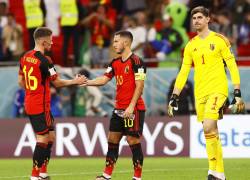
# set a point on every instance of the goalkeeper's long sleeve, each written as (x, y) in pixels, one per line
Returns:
(182, 76)
(233, 69)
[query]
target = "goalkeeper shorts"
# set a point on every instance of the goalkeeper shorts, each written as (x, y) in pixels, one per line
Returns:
(210, 107)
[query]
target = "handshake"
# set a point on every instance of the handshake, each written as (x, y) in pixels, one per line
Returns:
(80, 80)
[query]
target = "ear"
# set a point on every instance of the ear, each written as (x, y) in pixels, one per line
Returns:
(127, 42)
(208, 19)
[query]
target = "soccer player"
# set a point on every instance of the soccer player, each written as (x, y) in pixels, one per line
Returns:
(207, 52)
(35, 74)
(128, 116)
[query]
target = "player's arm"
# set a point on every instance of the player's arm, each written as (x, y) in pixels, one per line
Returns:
(49, 69)
(180, 81)
(140, 76)
(235, 76)
(78, 80)
(21, 81)
(102, 80)
(99, 81)
(139, 86)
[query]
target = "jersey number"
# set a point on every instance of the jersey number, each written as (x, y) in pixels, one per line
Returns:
(119, 80)
(128, 122)
(31, 82)
(203, 60)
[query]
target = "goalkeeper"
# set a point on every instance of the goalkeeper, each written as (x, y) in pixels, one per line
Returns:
(206, 52)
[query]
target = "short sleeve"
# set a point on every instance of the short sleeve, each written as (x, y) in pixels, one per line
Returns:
(51, 69)
(47, 67)
(139, 69)
(110, 71)
(52, 72)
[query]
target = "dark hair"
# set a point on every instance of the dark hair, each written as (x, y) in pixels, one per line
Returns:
(42, 32)
(125, 34)
(200, 9)
(84, 72)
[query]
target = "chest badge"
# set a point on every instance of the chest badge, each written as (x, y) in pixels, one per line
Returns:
(126, 70)
(212, 46)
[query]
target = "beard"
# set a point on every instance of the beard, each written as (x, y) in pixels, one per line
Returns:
(47, 52)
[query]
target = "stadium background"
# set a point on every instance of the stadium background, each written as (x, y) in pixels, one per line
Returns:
(174, 147)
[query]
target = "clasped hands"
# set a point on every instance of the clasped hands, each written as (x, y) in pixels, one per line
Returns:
(80, 80)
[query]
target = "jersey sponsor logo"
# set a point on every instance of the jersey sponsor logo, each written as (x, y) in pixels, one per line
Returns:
(109, 69)
(126, 70)
(212, 46)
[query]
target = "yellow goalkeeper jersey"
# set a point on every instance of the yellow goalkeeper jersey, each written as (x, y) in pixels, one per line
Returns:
(208, 55)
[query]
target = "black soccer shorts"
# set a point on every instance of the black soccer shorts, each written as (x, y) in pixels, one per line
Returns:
(42, 123)
(127, 126)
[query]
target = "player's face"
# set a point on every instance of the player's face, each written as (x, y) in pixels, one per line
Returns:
(47, 42)
(200, 21)
(118, 44)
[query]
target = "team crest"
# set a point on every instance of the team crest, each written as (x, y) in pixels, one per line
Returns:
(126, 70)
(212, 47)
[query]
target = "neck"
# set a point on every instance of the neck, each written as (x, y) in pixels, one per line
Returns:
(38, 48)
(126, 54)
(203, 33)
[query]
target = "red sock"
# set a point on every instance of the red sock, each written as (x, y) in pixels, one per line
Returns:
(137, 172)
(35, 172)
(108, 170)
(44, 168)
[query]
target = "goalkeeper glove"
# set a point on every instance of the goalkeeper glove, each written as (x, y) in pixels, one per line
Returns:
(173, 105)
(237, 106)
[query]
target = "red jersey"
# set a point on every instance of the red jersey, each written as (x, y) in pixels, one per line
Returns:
(37, 70)
(126, 73)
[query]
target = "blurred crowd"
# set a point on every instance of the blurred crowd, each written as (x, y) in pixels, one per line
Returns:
(83, 28)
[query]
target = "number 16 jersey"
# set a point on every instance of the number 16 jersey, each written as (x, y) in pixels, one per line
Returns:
(37, 70)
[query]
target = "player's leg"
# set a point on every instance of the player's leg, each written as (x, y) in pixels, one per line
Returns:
(213, 145)
(43, 172)
(41, 129)
(114, 137)
(134, 128)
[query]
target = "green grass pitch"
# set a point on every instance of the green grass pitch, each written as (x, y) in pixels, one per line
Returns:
(154, 169)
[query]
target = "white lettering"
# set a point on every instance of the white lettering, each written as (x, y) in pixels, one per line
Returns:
(31, 140)
(66, 140)
(150, 138)
(174, 138)
(88, 144)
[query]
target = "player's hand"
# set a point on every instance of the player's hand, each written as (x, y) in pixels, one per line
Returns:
(128, 113)
(237, 106)
(173, 105)
(80, 79)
